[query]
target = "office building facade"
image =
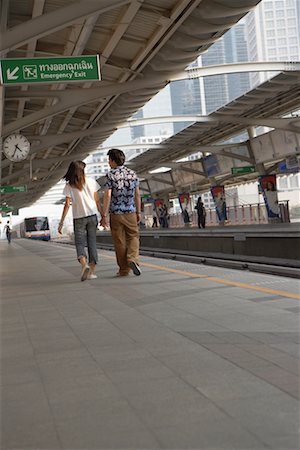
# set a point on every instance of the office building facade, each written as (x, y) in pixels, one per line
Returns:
(273, 34)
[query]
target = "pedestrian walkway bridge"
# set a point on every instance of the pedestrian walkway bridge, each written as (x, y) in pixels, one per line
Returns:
(184, 356)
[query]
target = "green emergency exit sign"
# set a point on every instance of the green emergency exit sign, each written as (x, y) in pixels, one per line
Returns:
(6, 208)
(11, 189)
(50, 70)
(241, 170)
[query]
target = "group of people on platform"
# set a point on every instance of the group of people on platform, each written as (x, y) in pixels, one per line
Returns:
(121, 210)
(201, 213)
(163, 217)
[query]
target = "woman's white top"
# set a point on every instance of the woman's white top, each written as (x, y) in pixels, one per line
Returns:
(83, 202)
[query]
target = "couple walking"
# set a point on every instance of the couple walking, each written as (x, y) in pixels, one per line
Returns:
(121, 208)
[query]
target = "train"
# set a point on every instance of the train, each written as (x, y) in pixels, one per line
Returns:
(36, 228)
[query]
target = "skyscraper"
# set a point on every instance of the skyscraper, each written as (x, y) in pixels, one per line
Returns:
(236, 50)
(137, 131)
(273, 33)
(215, 87)
(210, 93)
(185, 99)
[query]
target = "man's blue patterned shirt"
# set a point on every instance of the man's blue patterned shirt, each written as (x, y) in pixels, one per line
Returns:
(122, 182)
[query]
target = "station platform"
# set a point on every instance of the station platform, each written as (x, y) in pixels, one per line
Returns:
(183, 357)
(273, 248)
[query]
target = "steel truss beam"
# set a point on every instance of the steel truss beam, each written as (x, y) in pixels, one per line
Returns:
(54, 21)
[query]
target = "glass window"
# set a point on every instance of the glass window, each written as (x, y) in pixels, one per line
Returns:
(294, 49)
(283, 184)
(269, 15)
(280, 13)
(282, 51)
(36, 224)
(280, 22)
(292, 22)
(268, 5)
(293, 31)
(291, 13)
(270, 33)
(281, 32)
(269, 24)
(282, 41)
(294, 183)
(271, 42)
(279, 4)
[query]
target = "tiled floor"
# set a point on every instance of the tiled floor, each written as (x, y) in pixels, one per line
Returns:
(173, 359)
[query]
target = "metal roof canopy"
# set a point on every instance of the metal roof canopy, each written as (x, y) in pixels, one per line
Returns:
(263, 106)
(266, 105)
(137, 40)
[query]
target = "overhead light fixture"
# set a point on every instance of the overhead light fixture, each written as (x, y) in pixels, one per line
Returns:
(160, 170)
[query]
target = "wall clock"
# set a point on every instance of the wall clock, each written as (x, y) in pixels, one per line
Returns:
(16, 147)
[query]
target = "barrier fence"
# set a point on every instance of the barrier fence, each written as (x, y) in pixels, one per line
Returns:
(236, 215)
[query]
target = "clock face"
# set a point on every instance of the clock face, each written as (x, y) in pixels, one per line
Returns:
(16, 147)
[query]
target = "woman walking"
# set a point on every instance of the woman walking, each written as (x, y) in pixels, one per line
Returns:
(81, 192)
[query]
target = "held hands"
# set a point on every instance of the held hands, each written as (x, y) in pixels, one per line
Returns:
(104, 222)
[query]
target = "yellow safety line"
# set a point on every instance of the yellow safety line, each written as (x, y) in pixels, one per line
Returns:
(181, 272)
(255, 288)
(220, 280)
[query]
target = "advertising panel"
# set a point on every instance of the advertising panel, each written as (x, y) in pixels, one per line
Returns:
(269, 191)
(218, 194)
(184, 200)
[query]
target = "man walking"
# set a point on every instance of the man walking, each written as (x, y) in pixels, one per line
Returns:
(122, 200)
(8, 232)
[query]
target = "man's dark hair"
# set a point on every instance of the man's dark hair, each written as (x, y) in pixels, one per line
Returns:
(117, 156)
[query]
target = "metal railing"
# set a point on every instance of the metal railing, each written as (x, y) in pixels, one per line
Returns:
(250, 214)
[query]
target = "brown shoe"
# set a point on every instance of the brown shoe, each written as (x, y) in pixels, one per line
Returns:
(119, 274)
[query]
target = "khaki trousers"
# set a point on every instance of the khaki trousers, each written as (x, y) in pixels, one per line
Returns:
(125, 235)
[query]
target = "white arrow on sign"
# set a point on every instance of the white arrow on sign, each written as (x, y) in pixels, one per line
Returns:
(11, 74)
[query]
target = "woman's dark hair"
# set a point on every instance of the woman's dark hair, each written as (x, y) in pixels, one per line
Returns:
(117, 156)
(75, 174)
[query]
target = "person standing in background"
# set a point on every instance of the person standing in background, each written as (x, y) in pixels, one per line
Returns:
(8, 232)
(201, 213)
(82, 193)
(122, 201)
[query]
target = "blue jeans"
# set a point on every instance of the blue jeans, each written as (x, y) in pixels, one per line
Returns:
(85, 229)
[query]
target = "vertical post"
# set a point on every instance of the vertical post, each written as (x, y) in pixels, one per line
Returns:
(30, 168)
(1, 126)
(3, 26)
